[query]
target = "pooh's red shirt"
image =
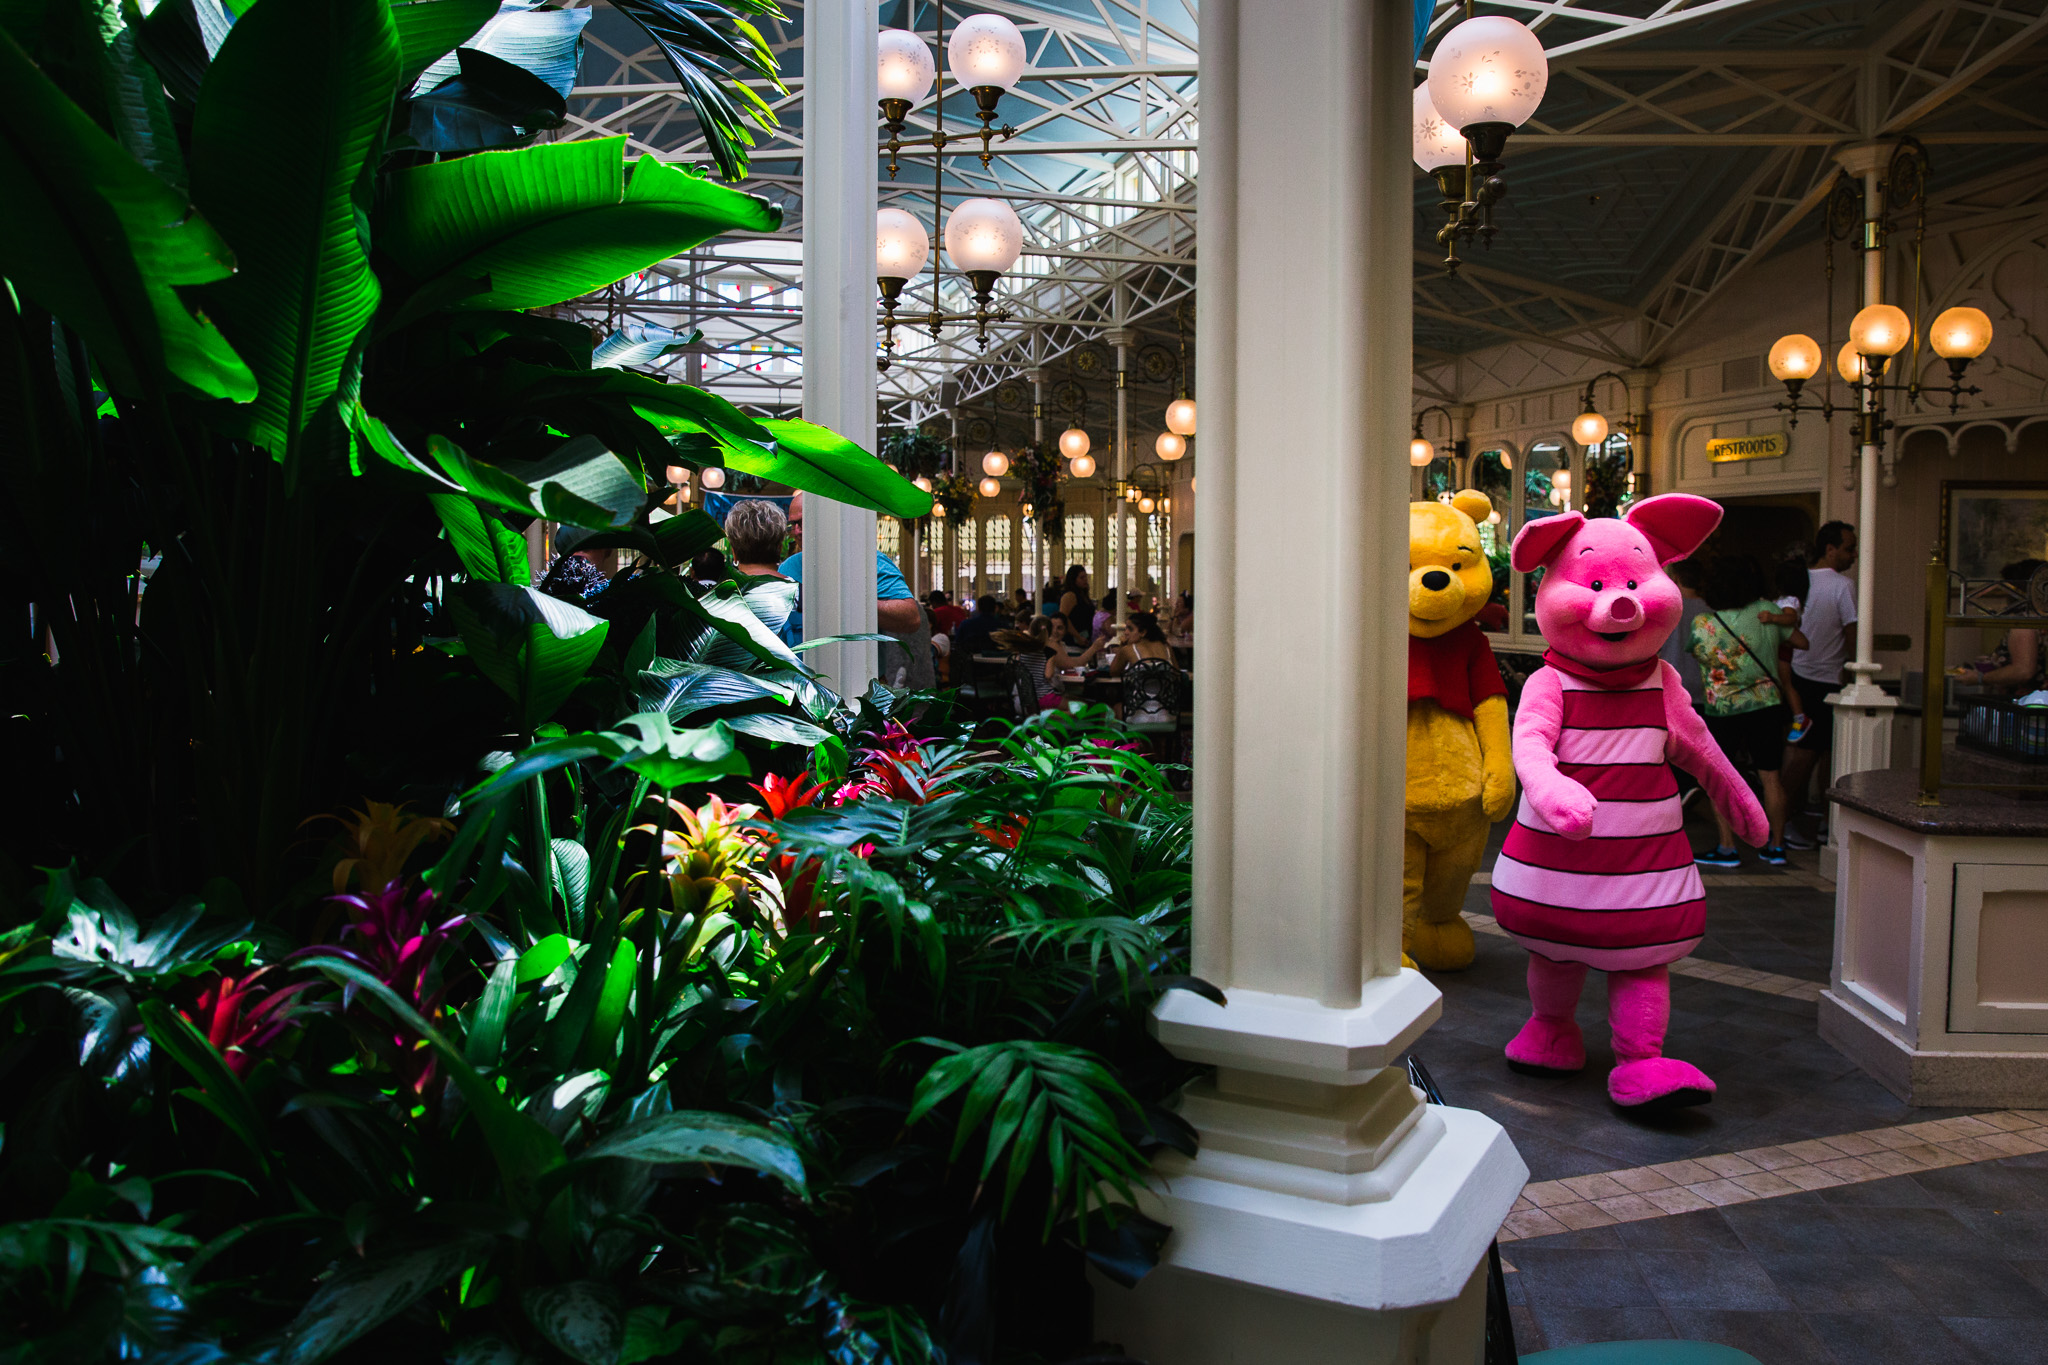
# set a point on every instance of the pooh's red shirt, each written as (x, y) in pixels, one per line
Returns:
(1456, 670)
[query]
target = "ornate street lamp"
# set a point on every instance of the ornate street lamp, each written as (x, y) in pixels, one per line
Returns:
(1486, 78)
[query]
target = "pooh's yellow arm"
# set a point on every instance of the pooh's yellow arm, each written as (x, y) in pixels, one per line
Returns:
(1496, 764)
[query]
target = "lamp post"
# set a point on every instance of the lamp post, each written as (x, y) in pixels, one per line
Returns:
(982, 237)
(1485, 79)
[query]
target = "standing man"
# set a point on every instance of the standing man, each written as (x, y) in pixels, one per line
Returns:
(1829, 624)
(896, 611)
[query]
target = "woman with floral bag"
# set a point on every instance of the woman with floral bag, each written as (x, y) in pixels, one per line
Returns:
(1738, 647)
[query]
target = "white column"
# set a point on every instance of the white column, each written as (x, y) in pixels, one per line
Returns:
(839, 321)
(1863, 712)
(1126, 574)
(1330, 1215)
(1041, 552)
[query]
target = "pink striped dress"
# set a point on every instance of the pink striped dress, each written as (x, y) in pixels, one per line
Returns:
(1630, 895)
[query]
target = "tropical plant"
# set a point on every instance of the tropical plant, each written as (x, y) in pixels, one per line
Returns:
(686, 1120)
(256, 328)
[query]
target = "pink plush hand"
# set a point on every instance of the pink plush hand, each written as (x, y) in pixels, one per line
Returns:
(1565, 805)
(1746, 816)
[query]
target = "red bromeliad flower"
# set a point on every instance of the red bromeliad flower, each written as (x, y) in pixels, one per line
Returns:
(396, 940)
(1006, 835)
(781, 795)
(243, 1018)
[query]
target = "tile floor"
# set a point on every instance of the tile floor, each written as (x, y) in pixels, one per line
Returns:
(1946, 1262)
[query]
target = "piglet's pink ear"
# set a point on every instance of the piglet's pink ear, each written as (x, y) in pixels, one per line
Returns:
(1675, 523)
(1541, 538)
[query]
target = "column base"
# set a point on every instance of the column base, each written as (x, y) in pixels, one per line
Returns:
(1863, 744)
(1180, 1317)
(1253, 1273)
(1949, 1080)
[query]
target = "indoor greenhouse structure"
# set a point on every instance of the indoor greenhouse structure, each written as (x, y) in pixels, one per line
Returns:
(478, 887)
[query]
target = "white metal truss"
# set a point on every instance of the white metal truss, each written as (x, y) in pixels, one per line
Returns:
(1679, 141)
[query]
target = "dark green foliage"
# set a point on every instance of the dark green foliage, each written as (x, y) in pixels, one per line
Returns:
(849, 1077)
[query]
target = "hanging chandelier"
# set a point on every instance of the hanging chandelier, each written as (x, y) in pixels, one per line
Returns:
(1880, 331)
(1180, 413)
(1485, 79)
(982, 237)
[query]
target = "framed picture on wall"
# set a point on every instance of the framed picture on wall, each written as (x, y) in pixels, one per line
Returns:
(1986, 526)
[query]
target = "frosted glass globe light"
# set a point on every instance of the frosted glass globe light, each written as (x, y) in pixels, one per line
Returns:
(1074, 445)
(1855, 368)
(1881, 329)
(901, 245)
(1961, 334)
(1170, 445)
(1562, 480)
(1589, 428)
(984, 234)
(1437, 143)
(991, 487)
(713, 477)
(1493, 518)
(1796, 356)
(938, 509)
(1420, 452)
(995, 463)
(1488, 70)
(986, 50)
(1180, 417)
(1082, 467)
(677, 474)
(905, 70)
(1145, 505)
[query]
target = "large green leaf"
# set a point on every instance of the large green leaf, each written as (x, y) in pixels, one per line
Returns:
(679, 689)
(430, 29)
(104, 244)
(290, 113)
(709, 62)
(525, 1151)
(698, 1135)
(584, 484)
(584, 1320)
(536, 648)
(488, 548)
(364, 1295)
(539, 225)
(819, 461)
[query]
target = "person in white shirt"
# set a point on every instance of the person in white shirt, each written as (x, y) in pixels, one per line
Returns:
(1828, 620)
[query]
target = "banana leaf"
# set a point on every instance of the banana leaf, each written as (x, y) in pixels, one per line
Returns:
(536, 648)
(490, 103)
(289, 116)
(546, 42)
(540, 225)
(105, 245)
(429, 30)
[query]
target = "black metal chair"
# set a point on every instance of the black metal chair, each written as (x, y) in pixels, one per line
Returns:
(1025, 689)
(1152, 702)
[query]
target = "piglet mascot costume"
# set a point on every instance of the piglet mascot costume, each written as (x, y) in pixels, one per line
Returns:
(1597, 871)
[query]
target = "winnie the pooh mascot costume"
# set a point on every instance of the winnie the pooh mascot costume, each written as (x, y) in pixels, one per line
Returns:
(1460, 777)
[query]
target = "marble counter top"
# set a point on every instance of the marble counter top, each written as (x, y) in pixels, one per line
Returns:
(1890, 796)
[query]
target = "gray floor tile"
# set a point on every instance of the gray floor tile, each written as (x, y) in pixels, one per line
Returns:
(1970, 1288)
(1580, 1279)
(1730, 1280)
(1828, 1281)
(1566, 1326)
(2003, 1341)
(1885, 1338)
(1773, 1338)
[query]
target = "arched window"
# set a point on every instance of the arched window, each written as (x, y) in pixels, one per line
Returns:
(1438, 478)
(1493, 475)
(1609, 480)
(1546, 489)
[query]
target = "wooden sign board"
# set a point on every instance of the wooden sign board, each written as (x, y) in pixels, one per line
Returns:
(1770, 446)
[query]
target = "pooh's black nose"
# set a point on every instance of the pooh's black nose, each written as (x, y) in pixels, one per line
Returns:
(1436, 580)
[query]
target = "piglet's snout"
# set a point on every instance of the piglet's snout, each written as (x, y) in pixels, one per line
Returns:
(1616, 613)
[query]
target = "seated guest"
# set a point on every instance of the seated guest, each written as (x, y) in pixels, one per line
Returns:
(755, 530)
(1068, 651)
(945, 613)
(1105, 614)
(972, 636)
(1033, 648)
(1144, 640)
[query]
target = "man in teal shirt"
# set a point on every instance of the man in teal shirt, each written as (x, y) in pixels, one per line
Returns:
(896, 611)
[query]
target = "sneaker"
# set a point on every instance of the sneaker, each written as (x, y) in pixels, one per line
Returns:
(1771, 857)
(1720, 857)
(1794, 839)
(1800, 725)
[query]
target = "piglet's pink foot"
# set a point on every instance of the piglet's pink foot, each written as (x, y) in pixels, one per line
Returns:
(1547, 1047)
(1659, 1083)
